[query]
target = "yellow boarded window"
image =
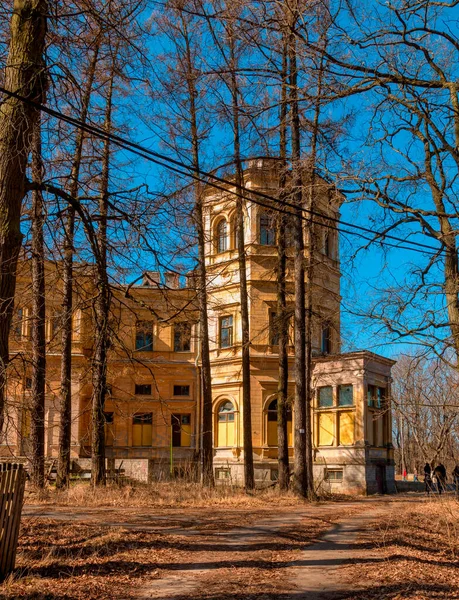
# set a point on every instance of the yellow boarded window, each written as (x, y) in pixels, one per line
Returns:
(142, 429)
(26, 422)
(346, 428)
(181, 430)
(272, 425)
(326, 429)
(370, 426)
(225, 429)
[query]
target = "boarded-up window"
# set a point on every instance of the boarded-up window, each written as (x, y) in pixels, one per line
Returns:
(326, 429)
(378, 430)
(370, 425)
(346, 428)
(181, 430)
(326, 396)
(225, 430)
(272, 425)
(142, 429)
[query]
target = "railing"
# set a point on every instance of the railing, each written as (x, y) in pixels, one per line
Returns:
(12, 484)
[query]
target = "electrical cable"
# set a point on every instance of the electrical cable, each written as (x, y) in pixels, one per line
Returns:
(204, 176)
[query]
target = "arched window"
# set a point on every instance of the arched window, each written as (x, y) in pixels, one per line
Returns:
(222, 236)
(267, 231)
(225, 429)
(272, 424)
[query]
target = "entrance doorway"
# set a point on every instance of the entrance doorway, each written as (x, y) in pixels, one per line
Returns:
(381, 479)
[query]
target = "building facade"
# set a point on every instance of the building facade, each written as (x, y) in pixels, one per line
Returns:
(153, 408)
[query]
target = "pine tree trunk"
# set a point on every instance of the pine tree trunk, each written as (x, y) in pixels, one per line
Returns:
(102, 309)
(282, 316)
(24, 74)
(249, 478)
(300, 482)
(63, 466)
(38, 320)
(206, 376)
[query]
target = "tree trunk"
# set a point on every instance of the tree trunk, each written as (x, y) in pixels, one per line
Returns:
(38, 320)
(206, 376)
(101, 309)
(63, 467)
(282, 315)
(24, 74)
(249, 479)
(300, 481)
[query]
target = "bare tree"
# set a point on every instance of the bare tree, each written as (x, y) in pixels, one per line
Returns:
(24, 74)
(38, 318)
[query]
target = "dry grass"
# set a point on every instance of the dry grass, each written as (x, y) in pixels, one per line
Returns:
(415, 553)
(79, 560)
(170, 494)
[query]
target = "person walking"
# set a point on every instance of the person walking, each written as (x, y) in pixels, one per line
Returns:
(440, 476)
(427, 469)
(404, 474)
(427, 482)
(456, 479)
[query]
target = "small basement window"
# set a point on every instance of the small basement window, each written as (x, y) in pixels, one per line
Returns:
(222, 474)
(334, 475)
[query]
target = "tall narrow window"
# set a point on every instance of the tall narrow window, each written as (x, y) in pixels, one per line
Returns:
(325, 339)
(225, 431)
(144, 336)
(267, 231)
(18, 322)
(222, 236)
(108, 426)
(181, 430)
(273, 328)
(182, 337)
(327, 247)
(142, 429)
(226, 332)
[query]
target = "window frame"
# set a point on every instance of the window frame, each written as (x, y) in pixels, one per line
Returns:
(324, 387)
(221, 237)
(141, 332)
(180, 385)
(229, 328)
(266, 233)
(143, 421)
(334, 479)
(178, 337)
(326, 338)
(342, 386)
(138, 392)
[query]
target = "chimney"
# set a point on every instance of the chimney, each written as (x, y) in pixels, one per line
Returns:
(171, 280)
(151, 278)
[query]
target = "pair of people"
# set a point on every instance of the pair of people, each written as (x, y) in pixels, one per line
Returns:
(436, 477)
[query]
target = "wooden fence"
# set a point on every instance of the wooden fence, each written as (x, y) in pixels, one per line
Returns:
(12, 483)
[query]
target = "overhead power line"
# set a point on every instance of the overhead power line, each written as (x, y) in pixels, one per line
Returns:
(221, 183)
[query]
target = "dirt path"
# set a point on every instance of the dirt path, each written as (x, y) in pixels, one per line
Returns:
(314, 574)
(319, 576)
(218, 554)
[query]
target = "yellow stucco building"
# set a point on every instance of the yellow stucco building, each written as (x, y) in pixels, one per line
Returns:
(153, 409)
